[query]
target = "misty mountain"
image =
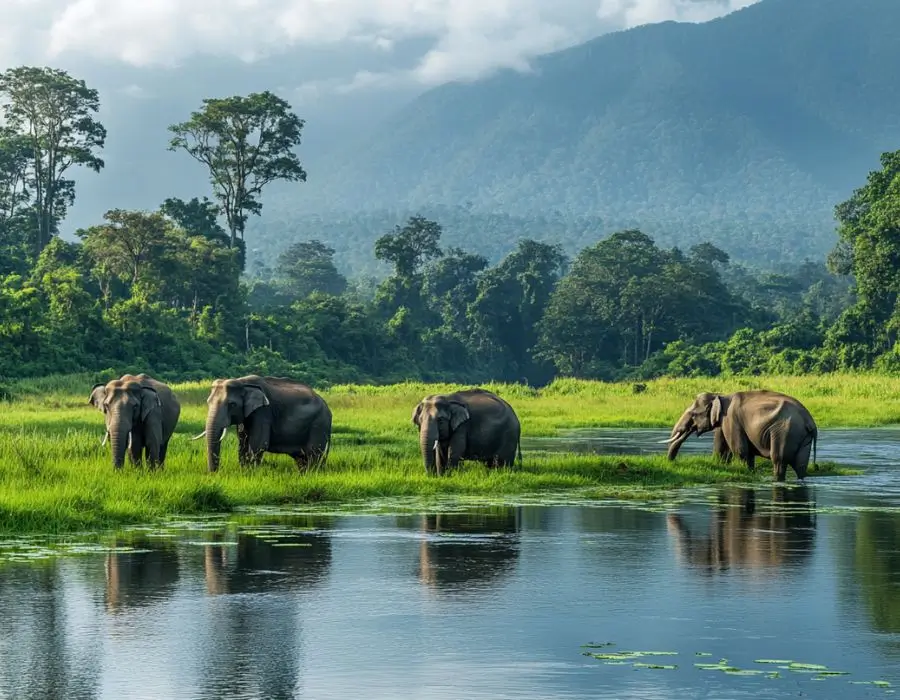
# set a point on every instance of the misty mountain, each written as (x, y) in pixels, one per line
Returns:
(745, 130)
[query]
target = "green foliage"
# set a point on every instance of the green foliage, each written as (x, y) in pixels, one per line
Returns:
(246, 143)
(309, 267)
(49, 113)
(163, 291)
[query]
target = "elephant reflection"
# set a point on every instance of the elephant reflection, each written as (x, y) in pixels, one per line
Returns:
(460, 551)
(252, 645)
(140, 578)
(744, 533)
(260, 565)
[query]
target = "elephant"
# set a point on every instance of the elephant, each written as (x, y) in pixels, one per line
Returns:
(141, 415)
(272, 414)
(748, 424)
(473, 424)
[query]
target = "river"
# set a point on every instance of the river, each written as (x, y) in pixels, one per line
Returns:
(491, 602)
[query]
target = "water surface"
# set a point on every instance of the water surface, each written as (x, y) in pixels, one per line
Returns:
(485, 603)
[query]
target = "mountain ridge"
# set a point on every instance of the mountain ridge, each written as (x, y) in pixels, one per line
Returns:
(770, 115)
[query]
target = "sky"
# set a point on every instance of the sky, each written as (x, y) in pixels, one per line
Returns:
(345, 66)
(465, 39)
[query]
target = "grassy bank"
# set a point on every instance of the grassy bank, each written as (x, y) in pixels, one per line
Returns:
(54, 475)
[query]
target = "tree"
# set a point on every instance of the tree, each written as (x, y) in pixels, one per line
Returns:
(308, 266)
(511, 301)
(127, 244)
(53, 113)
(869, 248)
(246, 143)
(410, 247)
(197, 217)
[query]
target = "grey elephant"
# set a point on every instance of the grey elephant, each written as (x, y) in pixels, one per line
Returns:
(272, 414)
(473, 424)
(748, 424)
(141, 415)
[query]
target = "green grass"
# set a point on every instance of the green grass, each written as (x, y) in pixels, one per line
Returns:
(55, 476)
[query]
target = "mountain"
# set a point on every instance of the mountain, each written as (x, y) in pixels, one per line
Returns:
(745, 130)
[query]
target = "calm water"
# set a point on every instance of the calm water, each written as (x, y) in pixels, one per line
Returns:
(491, 603)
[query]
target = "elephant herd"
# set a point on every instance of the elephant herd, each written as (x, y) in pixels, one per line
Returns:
(283, 416)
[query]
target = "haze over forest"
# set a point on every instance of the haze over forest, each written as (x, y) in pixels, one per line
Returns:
(743, 130)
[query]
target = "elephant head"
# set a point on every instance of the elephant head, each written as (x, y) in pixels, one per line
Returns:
(126, 405)
(437, 417)
(230, 401)
(704, 414)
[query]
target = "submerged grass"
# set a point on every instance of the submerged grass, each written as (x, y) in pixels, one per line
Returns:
(55, 476)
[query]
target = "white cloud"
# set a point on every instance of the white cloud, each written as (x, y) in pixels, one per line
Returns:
(471, 37)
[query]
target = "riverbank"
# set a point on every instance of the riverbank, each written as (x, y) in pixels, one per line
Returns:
(55, 476)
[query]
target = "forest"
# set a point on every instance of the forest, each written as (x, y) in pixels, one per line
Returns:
(169, 291)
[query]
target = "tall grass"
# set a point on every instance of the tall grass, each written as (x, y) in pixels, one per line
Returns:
(54, 475)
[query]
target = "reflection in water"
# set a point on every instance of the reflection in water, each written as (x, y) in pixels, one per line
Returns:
(140, 578)
(744, 533)
(253, 626)
(260, 565)
(461, 551)
(41, 656)
(877, 567)
(220, 613)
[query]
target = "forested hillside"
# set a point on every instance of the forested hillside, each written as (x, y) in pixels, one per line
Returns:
(744, 131)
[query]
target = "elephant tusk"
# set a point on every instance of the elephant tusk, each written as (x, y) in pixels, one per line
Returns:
(197, 437)
(224, 430)
(435, 446)
(105, 438)
(129, 441)
(671, 439)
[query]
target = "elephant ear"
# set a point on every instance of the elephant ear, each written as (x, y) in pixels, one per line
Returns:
(98, 395)
(149, 401)
(417, 413)
(716, 413)
(254, 399)
(459, 414)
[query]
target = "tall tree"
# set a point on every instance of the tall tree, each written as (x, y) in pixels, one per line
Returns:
(308, 266)
(53, 113)
(246, 143)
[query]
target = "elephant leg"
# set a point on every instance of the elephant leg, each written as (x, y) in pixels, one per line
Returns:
(163, 449)
(800, 463)
(456, 448)
(243, 445)
(258, 433)
(720, 447)
(153, 440)
(739, 444)
(136, 451)
(778, 455)
(317, 444)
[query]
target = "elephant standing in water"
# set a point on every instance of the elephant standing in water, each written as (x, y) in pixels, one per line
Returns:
(472, 424)
(748, 424)
(141, 415)
(273, 414)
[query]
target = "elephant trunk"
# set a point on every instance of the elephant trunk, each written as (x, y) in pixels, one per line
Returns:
(680, 433)
(119, 433)
(216, 425)
(428, 437)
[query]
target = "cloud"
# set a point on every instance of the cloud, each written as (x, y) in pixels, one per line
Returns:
(469, 38)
